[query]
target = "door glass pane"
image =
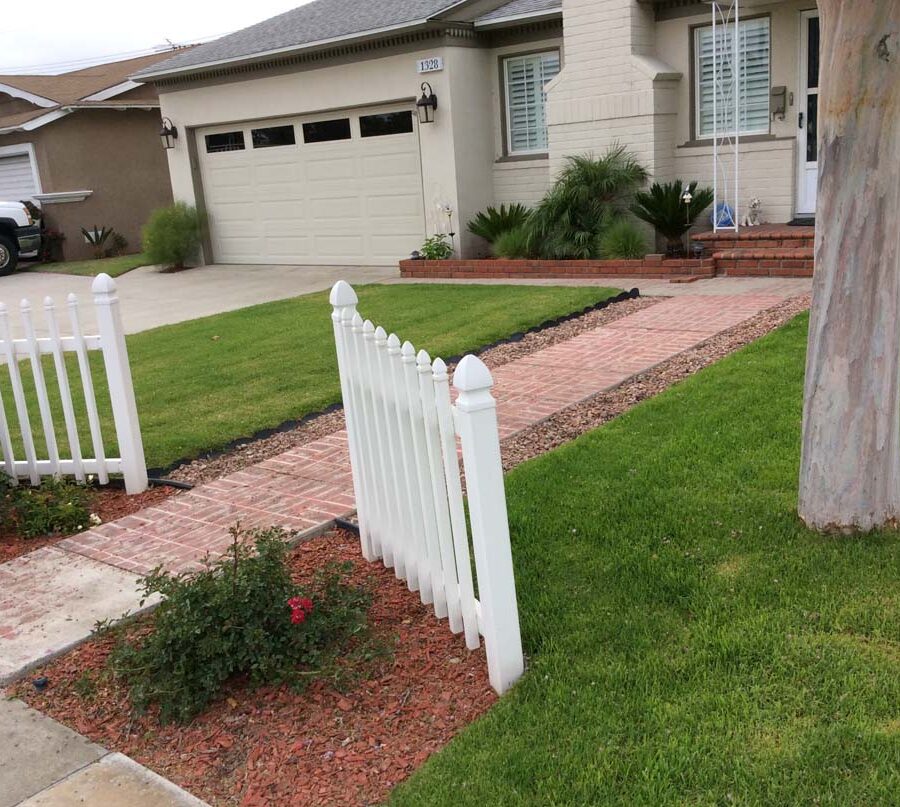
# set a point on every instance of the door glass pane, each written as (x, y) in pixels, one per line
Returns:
(389, 123)
(272, 136)
(812, 57)
(226, 141)
(812, 128)
(322, 131)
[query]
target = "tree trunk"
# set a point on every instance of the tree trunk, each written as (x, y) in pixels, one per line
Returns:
(850, 465)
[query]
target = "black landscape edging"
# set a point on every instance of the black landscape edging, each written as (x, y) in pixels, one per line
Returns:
(158, 474)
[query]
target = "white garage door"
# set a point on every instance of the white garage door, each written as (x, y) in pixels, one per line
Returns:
(16, 178)
(339, 188)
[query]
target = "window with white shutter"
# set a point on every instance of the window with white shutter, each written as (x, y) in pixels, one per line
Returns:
(753, 85)
(525, 78)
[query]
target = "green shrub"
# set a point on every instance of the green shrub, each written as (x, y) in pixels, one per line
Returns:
(662, 206)
(172, 235)
(623, 239)
(57, 507)
(589, 194)
(437, 248)
(491, 223)
(240, 615)
(512, 244)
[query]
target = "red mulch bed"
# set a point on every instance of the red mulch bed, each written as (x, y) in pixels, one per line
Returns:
(108, 503)
(273, 746)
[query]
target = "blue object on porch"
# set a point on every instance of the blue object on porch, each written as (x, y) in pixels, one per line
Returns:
(723, 217)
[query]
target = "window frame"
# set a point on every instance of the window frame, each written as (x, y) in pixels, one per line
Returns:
(503, 60)
(693, 33)
(255, 145)
(398, 112)
(243, 146)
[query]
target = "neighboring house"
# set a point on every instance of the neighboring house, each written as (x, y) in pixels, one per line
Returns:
(85, 147)
(300, 140)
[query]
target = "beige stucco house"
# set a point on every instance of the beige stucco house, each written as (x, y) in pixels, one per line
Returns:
(300, 139)
(84, 147)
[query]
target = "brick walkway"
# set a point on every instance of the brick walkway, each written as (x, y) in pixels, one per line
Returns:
(305, 488)
(308, 486)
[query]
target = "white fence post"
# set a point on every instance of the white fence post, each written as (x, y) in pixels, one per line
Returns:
(121, 389)
(477, 423)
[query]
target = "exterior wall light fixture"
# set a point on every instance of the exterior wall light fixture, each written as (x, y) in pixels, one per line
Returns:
(168, 134)
(427, 104)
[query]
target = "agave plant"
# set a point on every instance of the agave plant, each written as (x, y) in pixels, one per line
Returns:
(588, 196)
(663, 206)
(491, 223)
(97, 238)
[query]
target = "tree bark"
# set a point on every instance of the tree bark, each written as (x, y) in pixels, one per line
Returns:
(850, 464)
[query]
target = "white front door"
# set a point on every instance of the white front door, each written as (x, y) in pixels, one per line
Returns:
(808, 114)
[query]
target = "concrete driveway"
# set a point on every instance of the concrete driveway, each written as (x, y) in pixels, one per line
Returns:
(150, 299)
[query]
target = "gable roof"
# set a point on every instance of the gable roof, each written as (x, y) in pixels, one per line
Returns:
(317, 22)
(324, 22)
(88, 87)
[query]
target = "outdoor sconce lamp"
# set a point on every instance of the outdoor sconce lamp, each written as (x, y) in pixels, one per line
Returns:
(427, 104)
(168, 134)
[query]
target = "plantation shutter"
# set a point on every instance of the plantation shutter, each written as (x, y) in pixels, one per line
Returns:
(753, 36)
(526, 77)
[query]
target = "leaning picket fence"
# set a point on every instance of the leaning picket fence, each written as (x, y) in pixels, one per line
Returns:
(402, 431)
(111, 342)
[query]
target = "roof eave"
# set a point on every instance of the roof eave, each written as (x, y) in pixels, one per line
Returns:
(287, 51)
(31, 97)
(515, 19)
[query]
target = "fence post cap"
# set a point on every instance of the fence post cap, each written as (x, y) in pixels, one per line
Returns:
(472, 374)
(439, 369)
(357, 321)
(380, 334)
(408, 352)
(48, 302)
(368, 327)
(393, 342)
(72, 298)
(423, 360)
(25, 305)
(342, 294)
(103, 284)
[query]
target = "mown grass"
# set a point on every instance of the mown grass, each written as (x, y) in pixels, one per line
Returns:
(114, 267)
(203, 383)
(689, 641)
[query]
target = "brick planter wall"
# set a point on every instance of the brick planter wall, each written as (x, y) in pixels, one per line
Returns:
(653, 266)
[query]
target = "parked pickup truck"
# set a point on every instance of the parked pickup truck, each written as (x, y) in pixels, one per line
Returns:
(19, 235)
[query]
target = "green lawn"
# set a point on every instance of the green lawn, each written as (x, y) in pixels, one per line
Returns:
(112, 266)
(690, 643)
(203, 383)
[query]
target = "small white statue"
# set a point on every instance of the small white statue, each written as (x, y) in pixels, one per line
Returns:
(752, 219)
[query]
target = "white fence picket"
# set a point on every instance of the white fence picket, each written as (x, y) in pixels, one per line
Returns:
(65, 391)
(40, 387)
(402, 429)
(111, 343)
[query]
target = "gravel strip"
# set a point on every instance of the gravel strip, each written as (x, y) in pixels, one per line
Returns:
(570, 423)
(260, 449)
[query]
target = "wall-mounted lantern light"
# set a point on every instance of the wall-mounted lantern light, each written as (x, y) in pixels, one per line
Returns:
(168, 134)
(427, 104)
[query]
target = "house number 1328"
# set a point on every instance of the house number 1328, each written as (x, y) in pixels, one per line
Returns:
(431, 65)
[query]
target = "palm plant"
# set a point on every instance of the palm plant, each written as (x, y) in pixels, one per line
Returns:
(663, 206)
(491, 223)
(589, 194)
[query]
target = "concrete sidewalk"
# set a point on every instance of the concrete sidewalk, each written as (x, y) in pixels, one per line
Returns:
(305, 488)
(150, 299)
(44, 763)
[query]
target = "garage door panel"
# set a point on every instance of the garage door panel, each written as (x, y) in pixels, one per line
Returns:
(352, 201)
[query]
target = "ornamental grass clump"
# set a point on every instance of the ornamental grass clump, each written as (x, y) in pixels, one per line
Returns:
(239, 616)
(172, 235)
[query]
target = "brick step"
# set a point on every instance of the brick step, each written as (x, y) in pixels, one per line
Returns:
(762, 262)
(763, 237)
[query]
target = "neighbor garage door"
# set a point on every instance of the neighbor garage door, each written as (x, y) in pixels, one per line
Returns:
(16, 178)
(339, 188)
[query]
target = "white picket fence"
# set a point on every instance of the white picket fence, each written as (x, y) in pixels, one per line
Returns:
(111, 341)
(402, 431)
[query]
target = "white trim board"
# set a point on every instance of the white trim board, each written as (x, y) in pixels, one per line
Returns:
(37, 100)
(36, 123)
(62, 196)
(111, 92)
